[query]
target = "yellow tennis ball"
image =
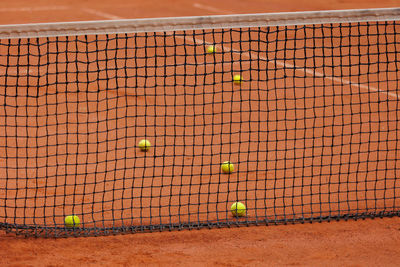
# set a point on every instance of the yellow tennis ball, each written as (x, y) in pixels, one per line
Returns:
(227, 167)
(238, 209)
(72, 221)
(211, 49)
(144, 145)
(237, 79)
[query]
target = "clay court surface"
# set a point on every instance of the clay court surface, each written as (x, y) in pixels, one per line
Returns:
(355, 243)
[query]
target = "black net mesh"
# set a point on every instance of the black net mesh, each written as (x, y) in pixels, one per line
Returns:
(312, 128)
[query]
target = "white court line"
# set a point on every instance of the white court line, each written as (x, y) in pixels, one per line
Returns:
(277, 62)
(305, 70)
(336, 79)
(100, 13)
(210, 8)
(32, 9)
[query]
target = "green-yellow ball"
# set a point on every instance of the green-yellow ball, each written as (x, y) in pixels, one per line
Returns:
(227, 167)
(238, 209)
(144, 145)
(237, 79)
(211, 49)
(72, 221)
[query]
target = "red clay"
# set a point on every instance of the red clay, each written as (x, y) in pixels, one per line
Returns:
(363, 243)
(353, 243)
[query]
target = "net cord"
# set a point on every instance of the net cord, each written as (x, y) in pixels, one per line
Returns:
(196, 23)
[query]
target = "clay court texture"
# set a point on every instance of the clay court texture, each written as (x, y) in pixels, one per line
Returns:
(347, 242)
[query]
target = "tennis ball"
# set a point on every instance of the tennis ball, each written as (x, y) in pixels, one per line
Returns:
(238, 209)
(72, 221)
(237, 79)
(227, 167)
(211, 49)
(144, 145)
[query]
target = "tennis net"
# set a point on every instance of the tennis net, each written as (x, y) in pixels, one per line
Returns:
(304, 105)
